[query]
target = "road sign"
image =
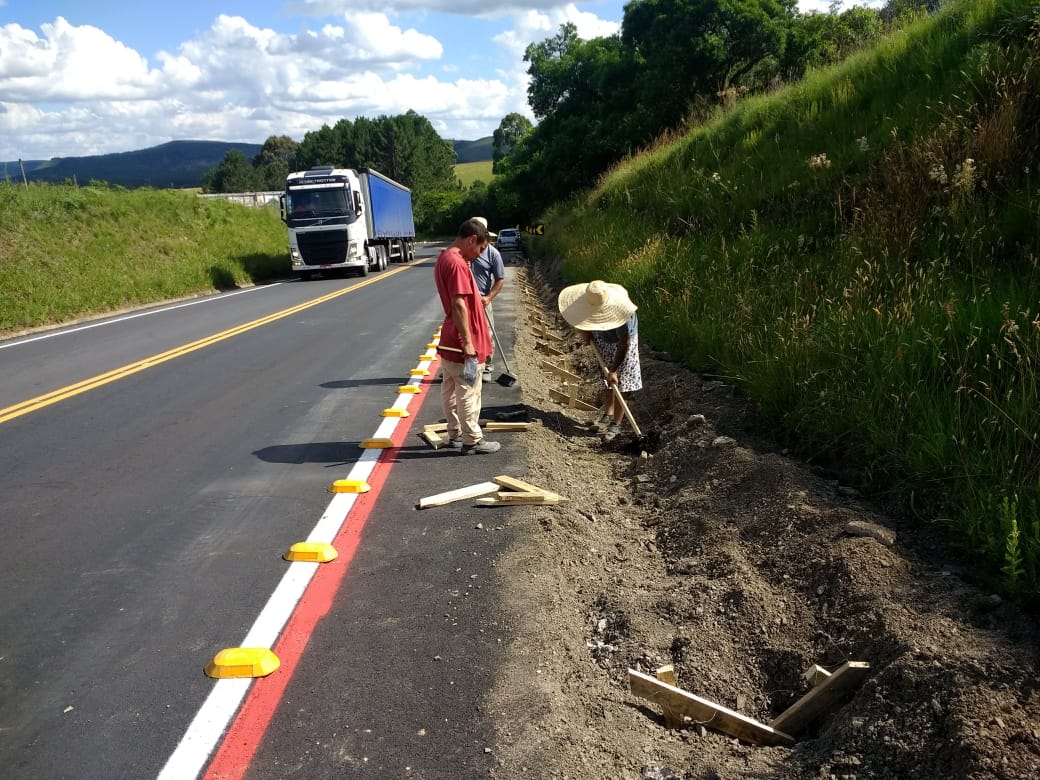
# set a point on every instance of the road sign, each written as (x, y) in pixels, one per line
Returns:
(535, 230)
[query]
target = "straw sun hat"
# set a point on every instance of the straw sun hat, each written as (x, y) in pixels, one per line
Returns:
(483, 222)
(596, 306)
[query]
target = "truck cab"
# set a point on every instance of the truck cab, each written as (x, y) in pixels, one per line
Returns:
(345, 220)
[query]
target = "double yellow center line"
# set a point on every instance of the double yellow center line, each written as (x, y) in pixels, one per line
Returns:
(53, 397)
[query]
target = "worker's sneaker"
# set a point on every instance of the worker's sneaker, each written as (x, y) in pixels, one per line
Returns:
(482, 447)
(611, 432)
(455, 443)
(600, 425)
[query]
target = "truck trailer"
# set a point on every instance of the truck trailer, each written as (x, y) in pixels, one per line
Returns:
(346, 220)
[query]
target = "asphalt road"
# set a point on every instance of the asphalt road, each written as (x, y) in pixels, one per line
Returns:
(145, 514)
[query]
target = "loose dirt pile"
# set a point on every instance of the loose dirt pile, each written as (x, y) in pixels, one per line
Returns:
(721, 555)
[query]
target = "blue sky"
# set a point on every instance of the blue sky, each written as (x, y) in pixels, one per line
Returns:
(80, 77)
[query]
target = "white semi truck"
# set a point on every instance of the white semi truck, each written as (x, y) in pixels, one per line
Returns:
(346, 220)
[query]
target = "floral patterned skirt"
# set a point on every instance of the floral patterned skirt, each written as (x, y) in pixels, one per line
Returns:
(630, 377)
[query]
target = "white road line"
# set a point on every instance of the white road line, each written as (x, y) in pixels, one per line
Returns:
(217, 712)
(150, 312)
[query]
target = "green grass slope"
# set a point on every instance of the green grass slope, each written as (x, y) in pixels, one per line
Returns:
(859, 252)
(66, 252)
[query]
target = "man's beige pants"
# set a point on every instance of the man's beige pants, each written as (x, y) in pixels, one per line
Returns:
(460, 402)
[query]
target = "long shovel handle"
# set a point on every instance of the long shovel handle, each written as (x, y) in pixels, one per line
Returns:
(617, 393)
(498, 343)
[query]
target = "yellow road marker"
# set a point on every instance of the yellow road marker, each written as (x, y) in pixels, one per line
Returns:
(376, 444)
(242, 662)
(312, 552)
(350, 486)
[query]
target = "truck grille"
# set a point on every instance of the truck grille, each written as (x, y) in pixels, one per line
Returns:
(322, 247)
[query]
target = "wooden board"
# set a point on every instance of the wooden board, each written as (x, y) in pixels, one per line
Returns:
(517, 484)
(519, 499)
(561, 372)
(541, 346)
(573, 403)
(822, 697)
(432, 438)
(490, 425)
(461, 494)
(711, 715)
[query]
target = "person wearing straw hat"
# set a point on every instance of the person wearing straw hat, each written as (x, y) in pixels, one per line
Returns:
(607, 318)
(464, 336)
(490, 273)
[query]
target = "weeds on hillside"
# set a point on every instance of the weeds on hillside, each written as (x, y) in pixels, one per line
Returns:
(862, 250)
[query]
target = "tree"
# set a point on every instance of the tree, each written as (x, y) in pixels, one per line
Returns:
(698, 48)
(232, 174)
(511, 130)
(276, 159)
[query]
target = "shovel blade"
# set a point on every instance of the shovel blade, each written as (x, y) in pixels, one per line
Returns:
(506, 380)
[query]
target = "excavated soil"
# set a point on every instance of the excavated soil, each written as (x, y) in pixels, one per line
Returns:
(706, 546)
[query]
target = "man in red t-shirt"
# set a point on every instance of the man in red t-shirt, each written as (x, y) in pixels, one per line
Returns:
(464, 334)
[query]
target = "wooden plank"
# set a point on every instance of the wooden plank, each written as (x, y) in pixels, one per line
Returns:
(490, 425)
(666, 674)
(461, 494)
(541, 346)
(520, 499)
(563, 398)
(815, 675)
(517, 484)
(822, 697)
(504, 426)
(542, 497)
(432, 438)
(561, 372)
(711, 715)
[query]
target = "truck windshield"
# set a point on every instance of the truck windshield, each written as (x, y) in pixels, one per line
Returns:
(316, 205)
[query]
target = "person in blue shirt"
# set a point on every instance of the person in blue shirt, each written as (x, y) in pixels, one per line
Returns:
(490, 273)
(606, 316)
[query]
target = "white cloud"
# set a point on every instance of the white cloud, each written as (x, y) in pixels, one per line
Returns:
(75, 90)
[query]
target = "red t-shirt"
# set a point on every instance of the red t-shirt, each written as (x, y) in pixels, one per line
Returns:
(454, 277)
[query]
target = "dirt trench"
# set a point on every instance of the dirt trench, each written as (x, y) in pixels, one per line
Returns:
(718, 553)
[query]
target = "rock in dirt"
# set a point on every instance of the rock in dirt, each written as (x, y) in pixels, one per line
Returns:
(862, 528)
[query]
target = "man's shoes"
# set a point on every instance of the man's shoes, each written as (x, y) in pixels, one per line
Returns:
(482, 447)
(601, 424)
(455, 443)
(489, 368)
(486, 377)
(611, 432)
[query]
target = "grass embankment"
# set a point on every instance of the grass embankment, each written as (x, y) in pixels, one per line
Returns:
(859, 252)
(69, 251)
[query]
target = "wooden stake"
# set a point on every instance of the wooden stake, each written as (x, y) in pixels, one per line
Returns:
(561, 372)
(461, 494)
(710, 714)
(822, 697)
(564, 398)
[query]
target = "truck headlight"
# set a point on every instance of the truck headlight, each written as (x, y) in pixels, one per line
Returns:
(352, 249)
(294, 253)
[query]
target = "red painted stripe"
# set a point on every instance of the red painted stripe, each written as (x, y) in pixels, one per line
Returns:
(243, 737)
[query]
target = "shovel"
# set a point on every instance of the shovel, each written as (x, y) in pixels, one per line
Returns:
(507, 379)
(618, 397)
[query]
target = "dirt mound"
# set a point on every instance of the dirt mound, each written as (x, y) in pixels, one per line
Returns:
(705, 546)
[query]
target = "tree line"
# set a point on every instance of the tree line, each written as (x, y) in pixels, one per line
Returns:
(597, 102)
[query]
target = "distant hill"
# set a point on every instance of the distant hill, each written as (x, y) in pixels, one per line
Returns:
(173, 164)
(474, 151)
